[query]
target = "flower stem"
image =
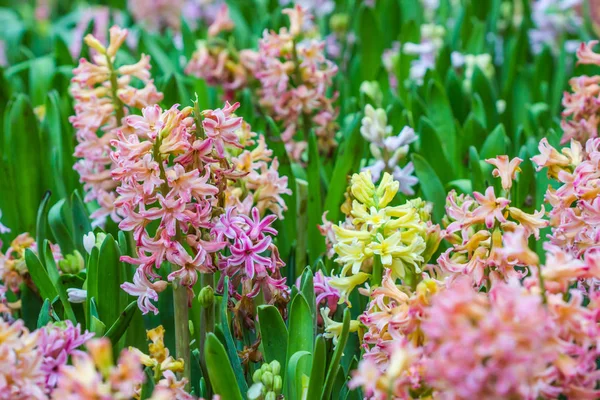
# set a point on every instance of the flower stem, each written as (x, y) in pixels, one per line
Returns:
(182, 329)
(377, 274)
(207, 323)
(114, 86)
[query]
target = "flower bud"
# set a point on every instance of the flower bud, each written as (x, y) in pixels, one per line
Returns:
(94, 43)
(255, 392)
(267, 379)
(257, 376)
(339, 23)
(206, 297)
(271, 396)
(72, 263)
(275, 367)
(277, 384)
(265, 367)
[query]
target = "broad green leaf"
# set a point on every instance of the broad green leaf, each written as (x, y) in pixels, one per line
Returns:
(39, 275)
(81, 221)
(316, 244)
(317, 373)
(431, 145)
(54, 276)
(42, 220)
(274, 335)
(220, 372)
(347, 161)
(111, 274)
(495, 144)
(334, 366)
(21, 151)
(477, 180)
(371, 45)
(31, 306)
(300, 326)
(481, 85)
(440, 114)
(44, 318)
(431, 185)
(91, 283)
(148, 386)
(97, 327)
(234, 359)
(119, 327)
(295, 373)
(60, 226)
(307, 287)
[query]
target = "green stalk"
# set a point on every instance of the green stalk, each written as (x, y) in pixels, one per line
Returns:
(182, 329)
(207, 325)
(377, 274)
(114, 86)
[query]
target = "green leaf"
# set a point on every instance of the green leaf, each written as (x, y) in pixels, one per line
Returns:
(41, 74)
(44, 316)
(148, 386)
(440, 114)
(111, 298)
(431, 185)
(91, 283)
(477, 180)
(334, 366)
(316, 244)
(347, 160)
(432, 146)
(158, 55)
(301, 333)
(481, 85)
(219, 368)
(234, 360)
(54, 276)
(40, 276)
(307, 287)
(117, 329)
(300, 326)
(59, 225)
(21, 151)
(42, 218)
(371, 44)
(274, 335)
(317, 373)
(294, 374)
(98, 327)
(495, 144)
(81, 221)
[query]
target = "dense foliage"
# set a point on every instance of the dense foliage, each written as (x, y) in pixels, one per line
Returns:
(320, 199)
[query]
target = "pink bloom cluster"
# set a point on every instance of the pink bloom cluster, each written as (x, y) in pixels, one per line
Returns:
(295, 77)
(218, 65)
(104, 94)
(477, 227)
(94, 375)
(254, 260)
(157, 15)
(261, 186)
(575, 213)
(13, 269)
(21, 375)
(582, 106)
(326, 295)
(489, 346)
(57, 344)
(217, 62)
(177, 173)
